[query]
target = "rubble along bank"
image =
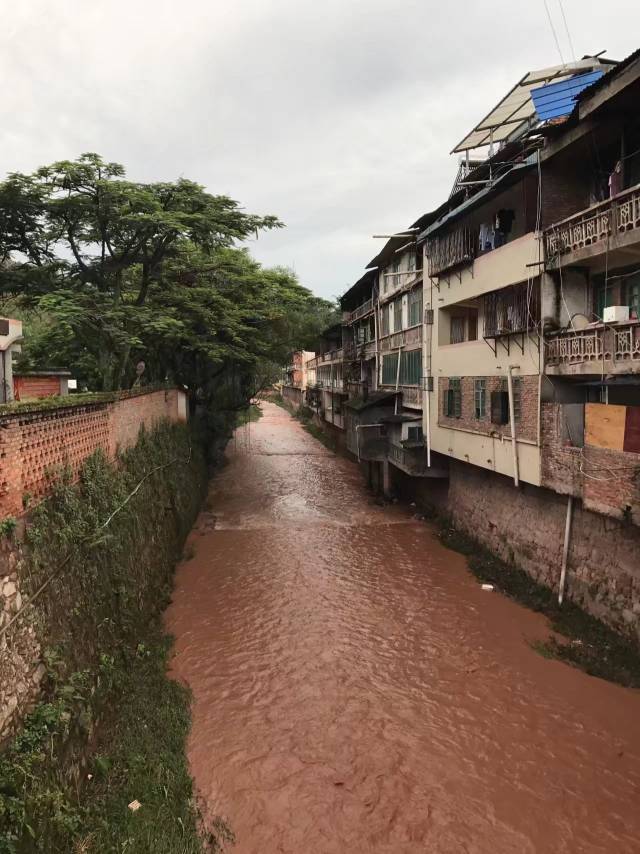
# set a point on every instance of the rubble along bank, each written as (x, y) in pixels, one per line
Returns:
(109, 728)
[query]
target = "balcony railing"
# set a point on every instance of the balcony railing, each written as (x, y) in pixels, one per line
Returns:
(335, 384)
(619, 344)
(596, 224)
(360, 311)
(453, 250)
(400, 339)
(400, 279)
(510, 310)
(411, 461)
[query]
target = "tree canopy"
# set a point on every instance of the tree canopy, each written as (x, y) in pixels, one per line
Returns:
(109, 272)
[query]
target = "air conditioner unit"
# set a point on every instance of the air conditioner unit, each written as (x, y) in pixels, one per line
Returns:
(616, 314)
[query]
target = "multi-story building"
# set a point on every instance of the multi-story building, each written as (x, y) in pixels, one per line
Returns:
(294, 377)
(10, 337)
(496, 341)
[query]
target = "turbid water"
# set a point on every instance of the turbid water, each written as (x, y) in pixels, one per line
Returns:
(356, 691)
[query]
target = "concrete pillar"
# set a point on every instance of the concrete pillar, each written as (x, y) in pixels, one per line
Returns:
(386, 479)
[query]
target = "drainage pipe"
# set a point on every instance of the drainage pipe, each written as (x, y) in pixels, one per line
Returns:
(565, 549)
(512, 419)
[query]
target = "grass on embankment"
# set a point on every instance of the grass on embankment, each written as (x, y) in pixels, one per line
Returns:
(110, 727)
(587, 643)
(249, 415)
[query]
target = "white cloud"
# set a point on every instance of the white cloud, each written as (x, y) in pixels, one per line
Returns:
(337, 116)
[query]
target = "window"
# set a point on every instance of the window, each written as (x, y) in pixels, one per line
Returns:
(415, 307)
(457, 330)
(397, 315)
(389, 369)
(517, 397)
(464, 325)
(480, 396)
(385, 320)
(411, 367)
(414, 434)
(453, 399)
(412, 262)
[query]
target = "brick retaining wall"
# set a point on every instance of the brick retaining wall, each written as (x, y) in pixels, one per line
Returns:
(36, 444)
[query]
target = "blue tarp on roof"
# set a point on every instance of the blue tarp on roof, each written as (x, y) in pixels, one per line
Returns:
(558, 99)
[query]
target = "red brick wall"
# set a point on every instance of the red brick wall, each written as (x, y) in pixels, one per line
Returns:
(35, 446)
(526, 426)
(607, 481)
(28, 388)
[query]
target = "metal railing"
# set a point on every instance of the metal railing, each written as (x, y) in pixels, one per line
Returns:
(602, 343)
(512, 309)
(451, 250)
(595, 224)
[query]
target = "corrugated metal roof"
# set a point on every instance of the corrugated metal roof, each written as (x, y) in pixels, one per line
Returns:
(558, 99)
(611, 73)
(517, 108)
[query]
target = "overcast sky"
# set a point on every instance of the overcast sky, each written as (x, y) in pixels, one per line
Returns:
(338, 116)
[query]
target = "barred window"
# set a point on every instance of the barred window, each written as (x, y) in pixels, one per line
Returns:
(385, 320)
(480, 398)
(517, 396)
(415, 307)
(397, 315)
(411, 367)
(389, 369)
(453, 399)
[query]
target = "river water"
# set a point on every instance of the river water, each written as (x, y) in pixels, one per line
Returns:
(356, 691)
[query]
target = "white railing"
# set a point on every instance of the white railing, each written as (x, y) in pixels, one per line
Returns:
(595, 224)
(398, 280)
(360, 311)
(620, 343)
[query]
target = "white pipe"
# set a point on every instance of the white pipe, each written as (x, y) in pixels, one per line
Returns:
(512, 419)
(428, 413)
(565, 549)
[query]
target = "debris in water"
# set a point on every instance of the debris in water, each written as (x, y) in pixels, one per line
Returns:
(487, 586)
(134, 806)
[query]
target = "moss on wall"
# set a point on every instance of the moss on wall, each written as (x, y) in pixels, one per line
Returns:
(110, 727)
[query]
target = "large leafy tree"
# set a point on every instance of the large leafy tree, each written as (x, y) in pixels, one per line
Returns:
(118, 271)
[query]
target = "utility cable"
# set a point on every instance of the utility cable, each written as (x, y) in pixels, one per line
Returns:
(564, 18)
(553, 30)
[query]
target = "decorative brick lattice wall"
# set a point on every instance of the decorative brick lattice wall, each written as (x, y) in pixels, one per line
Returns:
(35, 446)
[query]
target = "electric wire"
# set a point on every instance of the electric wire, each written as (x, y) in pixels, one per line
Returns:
(553, 30)
(566, 28)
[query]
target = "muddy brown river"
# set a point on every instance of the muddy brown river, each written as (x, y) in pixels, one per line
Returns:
(356, 691)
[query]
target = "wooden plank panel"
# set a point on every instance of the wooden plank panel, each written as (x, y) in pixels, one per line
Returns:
(604, 426)
(632, 430)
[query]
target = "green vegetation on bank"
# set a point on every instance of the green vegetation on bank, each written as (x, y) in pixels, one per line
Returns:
(579, 639)
(305, 416)
(249, 415)
(110, 728)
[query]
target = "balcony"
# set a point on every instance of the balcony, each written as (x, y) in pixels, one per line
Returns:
(400, 280)
(329, 384)
(609, 225)
(400, 339)
(360, 311)
(411, 395)
(453, 250)
(368, 442)
(614, 349)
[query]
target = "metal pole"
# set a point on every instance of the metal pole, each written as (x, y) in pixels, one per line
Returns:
(565, 549)
(512, 419)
